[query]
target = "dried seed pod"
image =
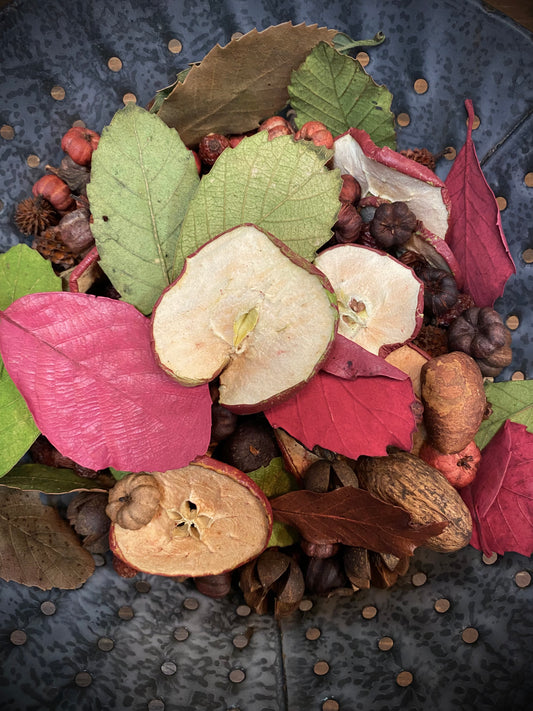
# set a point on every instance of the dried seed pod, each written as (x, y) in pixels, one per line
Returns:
(349, 224)
(324, 475)
(35, 214)
(274, 579)
(211, 146)
(317, 132)
(87, 515)
(324, 575)
(440, 290)
(393, 224)
(75, 231)
(381, 574)
(50, 246)
(481, 333)
(223, 422)
(351, 189)
(134, 501)
(80, 143)
(55, 191)
(74, 175)
(357, 567)
(276, 126)
(123, 569)
(44, 452)
(319, 550)
(251, 445)
(214, 586)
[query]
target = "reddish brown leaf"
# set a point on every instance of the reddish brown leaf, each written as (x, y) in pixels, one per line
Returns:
(351, 417)
(500, 498)
(349, 360)
(355, 518)
(475, 234)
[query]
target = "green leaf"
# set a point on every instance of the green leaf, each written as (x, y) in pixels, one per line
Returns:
(274, 480)
(281, 186)
(118, 474)
(512, 401)
(142, 178)
(22, 271)
(335, 89)
(49, 480)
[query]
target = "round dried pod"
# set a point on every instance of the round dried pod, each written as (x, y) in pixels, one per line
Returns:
(134, 501)
(393, 224)
(351, 189)
(481, 333)
(251, 445)
(440, 289)
(211, 146)
(349, 224)
(55, 190)
(75, 230)
(319, 550)
(86, 513)
(276, 126)
(214, 586)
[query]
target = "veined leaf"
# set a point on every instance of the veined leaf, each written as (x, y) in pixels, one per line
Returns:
(281, 186)
(49, 480)
(142, 178)
(333, 88)
(22, 271)
(512, 400)
(237, 86)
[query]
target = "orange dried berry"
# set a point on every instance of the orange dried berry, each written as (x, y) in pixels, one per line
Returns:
(276, 126)
(35, 214)
(123, 569)
(211, 146)
(80, 143)
(317, 132)
(56, 191)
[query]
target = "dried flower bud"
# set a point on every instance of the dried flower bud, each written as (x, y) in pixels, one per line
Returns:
(481, 333)
(393, 223)
(440, 289)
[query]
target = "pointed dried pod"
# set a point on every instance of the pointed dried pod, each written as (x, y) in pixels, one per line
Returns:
(381, 574)
(393, 224)
(357, 567)
(273, 580)
(134, 501)
(323, 476)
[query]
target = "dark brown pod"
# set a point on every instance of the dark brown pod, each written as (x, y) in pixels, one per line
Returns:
(214, 586)
(349, 224)
(440, 289)
(393, 224)
(481, 333)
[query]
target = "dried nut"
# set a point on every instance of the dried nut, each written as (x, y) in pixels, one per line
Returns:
(87, 515)
(351, 189)
(325, 475)
(393, 224)
(75, 231)
(214, 585)
(211, 146)
(349, 224)
(323, 575)
(357, 567)
(275, 580)
(319, 550)
(316, 132)
(223, 422)
(134, 501)
(251, 445)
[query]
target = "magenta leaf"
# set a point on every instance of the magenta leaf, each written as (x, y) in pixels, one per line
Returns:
(500, 498)
(86, 369)
(475, 235)
(347, 359)
(351, 417)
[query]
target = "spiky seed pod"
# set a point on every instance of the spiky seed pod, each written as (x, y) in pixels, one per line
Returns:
(35, 214)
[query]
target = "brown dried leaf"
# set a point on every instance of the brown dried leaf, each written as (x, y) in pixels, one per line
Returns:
(237, 86)
(37, 547)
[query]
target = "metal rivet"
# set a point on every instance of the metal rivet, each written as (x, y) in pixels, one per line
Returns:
(243, 610)
(83, 679)
(33, 161)
(404, 678)
(175, 46)
(470, 635)
(115, 64)
(48, 607)
(385, 643)
(421, 86)
(330, 705)
(236, 676)
(7, 132)
(527, 256)
(129, 98)
(81, 124)
(528, 180)
(57, 93)
(18, 637)
(99, 560)
(403, 119)
(502, 203)
(305, 605)
(369, 611)
(236, 35)
(518, 375)
(191, 603)
(240, 641)
(312, 633)
(181, 634)
(363, 58)
(125, 612)
(489, 559)
(512, 322)
(442, 605)
(106, 644)
(169, 668)
(156, 705)
(522, 579)
(143, 586)
(419, 579)
(450, 153)
(321, 668)
(475, 122)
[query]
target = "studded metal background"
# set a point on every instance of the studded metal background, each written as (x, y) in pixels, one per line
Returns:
(457, 631)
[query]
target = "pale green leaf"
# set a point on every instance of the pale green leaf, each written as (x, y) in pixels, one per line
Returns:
(142, 178)
(333, 88)
(283, 535)
(22, 271)
(118, 474)
(37, 547)
(281, 186)
(49, 480)
(512, 400)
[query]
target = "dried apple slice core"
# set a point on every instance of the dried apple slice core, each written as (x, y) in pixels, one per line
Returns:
(242, 309)
(211, 518)
(380, 300)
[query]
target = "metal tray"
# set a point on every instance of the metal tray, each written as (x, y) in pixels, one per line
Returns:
(457, 631)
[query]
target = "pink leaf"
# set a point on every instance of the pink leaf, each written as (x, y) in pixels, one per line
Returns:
(500, 498)
(85, 367)
(475, 234)
(349, 360)
(351, 417)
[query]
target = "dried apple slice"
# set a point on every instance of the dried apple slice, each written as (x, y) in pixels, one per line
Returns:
(242, 309)
(211, 519)
(390, 175)
(380, 300)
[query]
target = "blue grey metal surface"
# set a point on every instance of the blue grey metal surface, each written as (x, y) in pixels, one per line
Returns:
(463, 51)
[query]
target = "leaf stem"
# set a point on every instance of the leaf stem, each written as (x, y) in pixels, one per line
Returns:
(343, 43)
